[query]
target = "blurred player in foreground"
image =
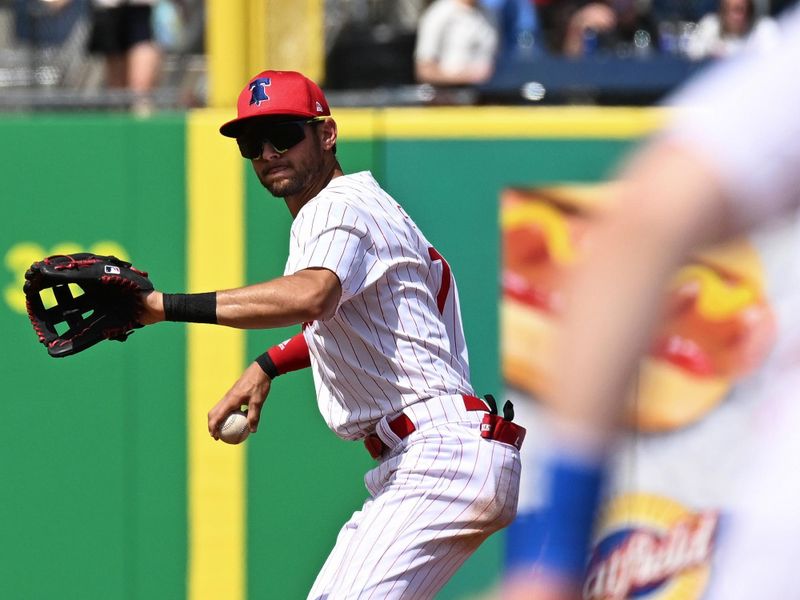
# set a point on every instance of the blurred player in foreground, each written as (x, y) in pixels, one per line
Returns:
(382, 332)
(728, 162)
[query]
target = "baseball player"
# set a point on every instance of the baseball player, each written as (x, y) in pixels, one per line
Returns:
(382, 333)
(727, 163)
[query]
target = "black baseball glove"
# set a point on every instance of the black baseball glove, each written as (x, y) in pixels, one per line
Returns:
(96, 298)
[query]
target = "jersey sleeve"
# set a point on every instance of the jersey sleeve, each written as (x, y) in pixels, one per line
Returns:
(743, 118)
(333, 236)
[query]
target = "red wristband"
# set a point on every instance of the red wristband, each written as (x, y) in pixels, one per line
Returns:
(291, 355)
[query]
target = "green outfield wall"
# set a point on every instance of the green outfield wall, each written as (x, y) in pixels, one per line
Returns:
(110, 485)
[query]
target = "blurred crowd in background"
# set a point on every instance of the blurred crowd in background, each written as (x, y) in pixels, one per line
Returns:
(149, 54)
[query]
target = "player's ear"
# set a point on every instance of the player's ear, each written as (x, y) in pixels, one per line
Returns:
(329, 133)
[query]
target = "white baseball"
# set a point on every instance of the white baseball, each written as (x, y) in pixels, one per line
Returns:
(234, 429)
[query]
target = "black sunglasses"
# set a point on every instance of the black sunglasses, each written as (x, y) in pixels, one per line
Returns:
(282, 136)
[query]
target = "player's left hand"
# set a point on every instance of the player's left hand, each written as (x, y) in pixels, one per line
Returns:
(250, 389)
(152, 307)
(96, 298)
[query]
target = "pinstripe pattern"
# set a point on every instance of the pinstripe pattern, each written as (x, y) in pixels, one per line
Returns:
(396, 344)
(388, 346)
(433, 499)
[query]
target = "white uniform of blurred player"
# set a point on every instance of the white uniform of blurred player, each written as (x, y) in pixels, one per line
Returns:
(749, 136)
(382, 332)
(728, 162)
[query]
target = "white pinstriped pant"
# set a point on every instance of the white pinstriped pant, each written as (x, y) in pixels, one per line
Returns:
(434, 498)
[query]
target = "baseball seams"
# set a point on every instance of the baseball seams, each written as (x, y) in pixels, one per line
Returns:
(235, 428)
(434, 499)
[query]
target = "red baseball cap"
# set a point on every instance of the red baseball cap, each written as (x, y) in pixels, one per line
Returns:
(277, 94)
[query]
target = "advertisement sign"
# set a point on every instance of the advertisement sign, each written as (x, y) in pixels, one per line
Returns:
(689, 409)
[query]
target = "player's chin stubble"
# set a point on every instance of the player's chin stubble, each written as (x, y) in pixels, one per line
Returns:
(285, 186)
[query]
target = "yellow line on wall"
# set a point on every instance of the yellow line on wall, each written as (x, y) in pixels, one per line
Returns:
(304, 48)
(216, 471)
(498, 122)
(226, 50)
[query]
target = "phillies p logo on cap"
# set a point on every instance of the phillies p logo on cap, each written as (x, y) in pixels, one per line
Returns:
(258, 90)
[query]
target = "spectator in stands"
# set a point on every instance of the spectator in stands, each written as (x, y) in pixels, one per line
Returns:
(677, 11)
(45, 24)
(122, 33)
(518, 25)
(727, 30)
(553, 17)
(457, 43)
(622, 27)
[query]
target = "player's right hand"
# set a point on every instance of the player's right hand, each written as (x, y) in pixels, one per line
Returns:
(250, 389)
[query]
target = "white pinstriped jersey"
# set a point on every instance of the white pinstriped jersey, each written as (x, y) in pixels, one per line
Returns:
(396, 337)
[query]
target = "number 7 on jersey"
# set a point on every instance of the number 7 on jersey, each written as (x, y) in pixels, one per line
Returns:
(444, 287)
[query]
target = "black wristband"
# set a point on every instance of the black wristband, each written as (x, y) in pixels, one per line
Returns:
(191, 308)
(265, 362)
